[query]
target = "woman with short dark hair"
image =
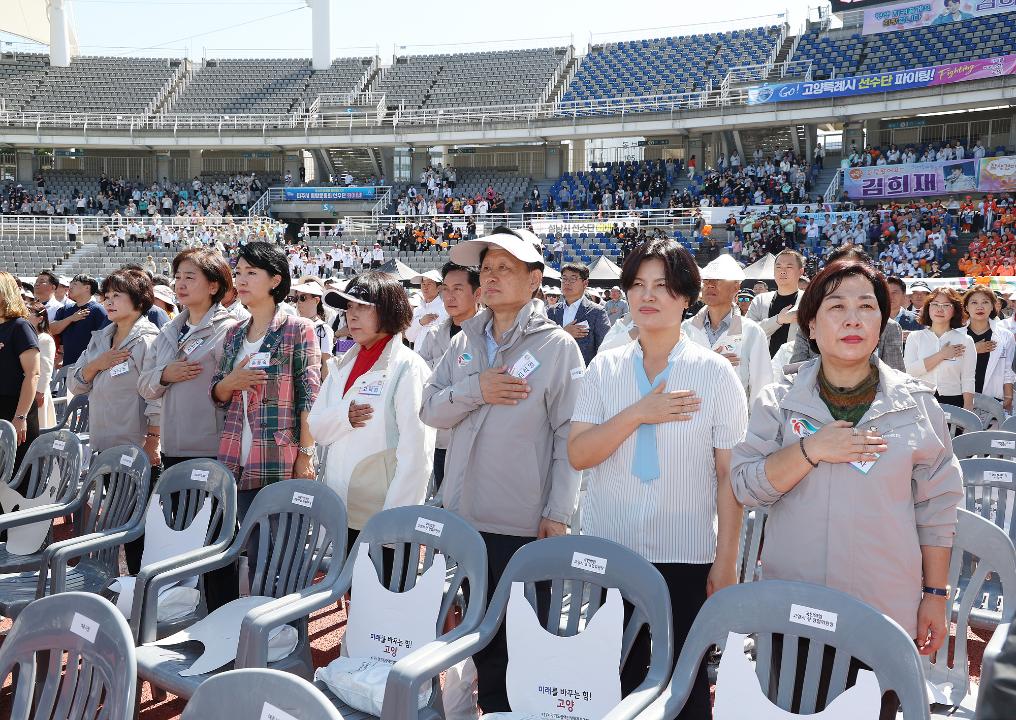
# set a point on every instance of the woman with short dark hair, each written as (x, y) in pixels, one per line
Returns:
(943, 354)
(655, 423)
(854, 462)
(367, 415)
(109, 368)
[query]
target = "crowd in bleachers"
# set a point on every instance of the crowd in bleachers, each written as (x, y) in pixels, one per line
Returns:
(784, 177)
(119, 198)
(932, 152)
(435, 194)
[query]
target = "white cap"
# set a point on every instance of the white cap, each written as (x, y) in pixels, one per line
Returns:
(430, 275)
(165, 294)
(523, 244)
(724, 267)
(308, 289)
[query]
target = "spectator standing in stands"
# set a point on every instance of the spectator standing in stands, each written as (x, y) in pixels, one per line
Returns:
(616, 307)
(943, 354)
(76, 323)
(719, 326)
(854, 461)
(558, 248)
(72, 231)
(367, 414)
(460, 293)
(897, 300)
(110, 367)
(581, 318)
(776, 311)
(45, 292)
(660, 485)
(431, 312)
(995, 346)
(19, 366)
(506, 389)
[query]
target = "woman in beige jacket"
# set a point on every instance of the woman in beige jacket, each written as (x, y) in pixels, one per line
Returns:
(854, 461)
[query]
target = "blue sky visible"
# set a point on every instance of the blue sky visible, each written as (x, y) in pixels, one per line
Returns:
(282, 28)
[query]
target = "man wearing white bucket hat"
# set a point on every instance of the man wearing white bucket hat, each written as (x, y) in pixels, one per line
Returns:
(719, 325)
(431, 311)
(506, 389)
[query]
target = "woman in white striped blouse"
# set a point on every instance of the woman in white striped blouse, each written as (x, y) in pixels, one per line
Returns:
(655, 423)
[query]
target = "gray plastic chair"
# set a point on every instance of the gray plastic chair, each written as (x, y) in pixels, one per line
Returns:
(987, 551)
(250, 693)
(763, 609)
(58, 452)
(1009, 425)
(960, 420)
(100, 663)
(986, 444)
(58, 389)
(990, 488)
(749, 548)
(293, 541)
(466, 557)
(989, 410)
(8, 450)
(75, 418)
(550, 559)
(182, 497)
(991, 652)
(111, 502)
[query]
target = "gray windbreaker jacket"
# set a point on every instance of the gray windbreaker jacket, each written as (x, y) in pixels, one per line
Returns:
(191, 422)
(117, 414)
(507, 465)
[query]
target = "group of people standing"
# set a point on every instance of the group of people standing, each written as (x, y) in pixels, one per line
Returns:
(676, 422)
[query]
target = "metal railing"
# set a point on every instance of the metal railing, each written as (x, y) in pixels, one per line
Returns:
(93, 224)
(832, 192)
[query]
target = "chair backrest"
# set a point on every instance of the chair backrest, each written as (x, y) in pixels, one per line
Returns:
(986, 444)
(991, 698)
(58, 451)
(71, 653)
(430, 530)
(990, 492)
(76, 417)
(989, 410)
(982, 567)
(769, 608)
(580, 570)
(300, 523)
(58, 383)
(115, 495)
(749, 549)
(959, 419)
(1009, 425)
(8, 450)
(258, 693)
(184, 488)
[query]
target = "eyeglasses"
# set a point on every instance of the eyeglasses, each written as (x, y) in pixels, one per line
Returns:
(305, 298)
(940, 306)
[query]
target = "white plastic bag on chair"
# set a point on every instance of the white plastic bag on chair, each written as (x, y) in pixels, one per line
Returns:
(459, 694)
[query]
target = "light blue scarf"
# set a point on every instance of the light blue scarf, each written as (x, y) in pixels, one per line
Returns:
(646, 465)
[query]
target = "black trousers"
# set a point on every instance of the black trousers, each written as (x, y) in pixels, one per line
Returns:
(439, 461)
(687, 586)
(8, 409)
(492, 662)
(954, 400)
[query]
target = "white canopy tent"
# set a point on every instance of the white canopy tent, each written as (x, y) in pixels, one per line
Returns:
(763, 269)
(400, 270)
(604, 269)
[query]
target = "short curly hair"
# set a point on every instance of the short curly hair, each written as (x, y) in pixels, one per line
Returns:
(135, 284)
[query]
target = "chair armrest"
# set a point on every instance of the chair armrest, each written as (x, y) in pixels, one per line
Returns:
(41, 513)
(252, 650)
(57, 556)
(409, 674)
(178, 571)
(149, 571)
(646, 708)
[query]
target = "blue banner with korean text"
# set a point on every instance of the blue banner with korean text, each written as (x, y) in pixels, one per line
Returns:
(329, 193)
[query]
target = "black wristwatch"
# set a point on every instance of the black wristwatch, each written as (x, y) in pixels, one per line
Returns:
(940, 592)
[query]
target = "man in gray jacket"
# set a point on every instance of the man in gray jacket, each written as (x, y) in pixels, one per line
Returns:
(460, 293)
(506, 389)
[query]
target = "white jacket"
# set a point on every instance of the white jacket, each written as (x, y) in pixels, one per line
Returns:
(415, 331)
(746, 339)
(999, 370)
(758, 311)
(387, 463)
(950, 377)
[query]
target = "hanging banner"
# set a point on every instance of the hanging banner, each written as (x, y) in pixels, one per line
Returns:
(879, 182)
(923, 13)
(329, 193)
(885, 82)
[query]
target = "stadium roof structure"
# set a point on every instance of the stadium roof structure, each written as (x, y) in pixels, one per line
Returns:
(26, 18)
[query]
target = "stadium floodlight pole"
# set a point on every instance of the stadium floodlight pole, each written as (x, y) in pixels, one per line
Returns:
(59, 40)
(321, 33)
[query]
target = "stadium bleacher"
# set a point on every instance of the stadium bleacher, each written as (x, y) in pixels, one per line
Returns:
(224, 87)
(470, 79)
(662, 66)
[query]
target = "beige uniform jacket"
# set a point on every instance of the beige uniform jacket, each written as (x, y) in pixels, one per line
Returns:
(859, 532)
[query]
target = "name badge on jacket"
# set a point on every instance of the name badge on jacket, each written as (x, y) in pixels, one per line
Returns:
(119, 369)
(524, 366)
(372, 389)
(259, 360)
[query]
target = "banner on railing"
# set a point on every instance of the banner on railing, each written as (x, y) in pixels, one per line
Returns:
(882, 182)
(923, 13)
(885, 82)
(329, 193)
